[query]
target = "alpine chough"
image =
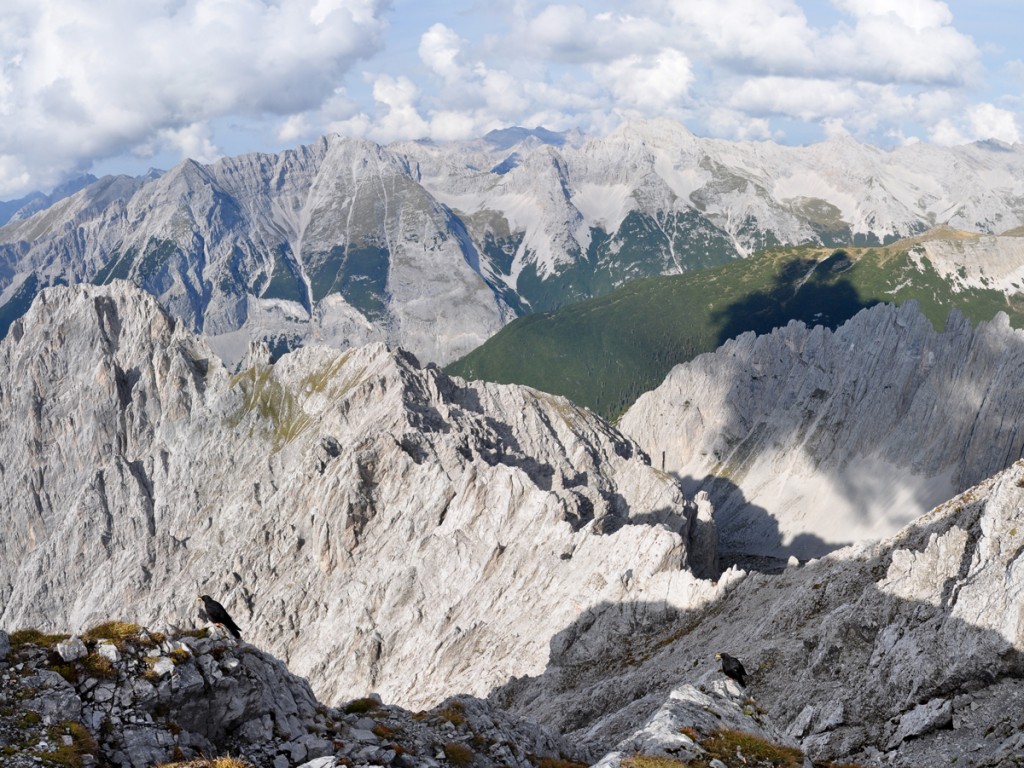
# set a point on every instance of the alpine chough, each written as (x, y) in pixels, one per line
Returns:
(219, 616)
(732, 667)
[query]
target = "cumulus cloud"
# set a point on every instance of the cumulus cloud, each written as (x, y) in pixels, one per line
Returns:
(80, 80)
(981, 122)
(915, 14)
(439, 50)
(805, 99)
(651, 83)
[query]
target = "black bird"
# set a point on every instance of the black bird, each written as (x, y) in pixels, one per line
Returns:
(732, 667)
(219, 616)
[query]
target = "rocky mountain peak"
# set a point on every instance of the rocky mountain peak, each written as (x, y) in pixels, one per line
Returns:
(148, 473)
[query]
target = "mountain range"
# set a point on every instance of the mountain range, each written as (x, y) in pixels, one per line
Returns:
(434, 247)
(385, 527)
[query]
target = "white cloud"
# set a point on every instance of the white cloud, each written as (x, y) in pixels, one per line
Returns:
(654, 83)
(981, 122)
(401, 120)
(804, 99)
(768, 34)
(914, 14)
(733, 124)
(884, 49)
(80, 79)
(439, 50)
(194, 141)
(988, 121)
(561, 28)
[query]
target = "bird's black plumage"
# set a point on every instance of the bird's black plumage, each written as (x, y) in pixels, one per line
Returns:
(732, 667)
(220, 616)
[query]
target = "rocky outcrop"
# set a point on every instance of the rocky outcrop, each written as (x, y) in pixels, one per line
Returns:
(141, 698)
(378, 525)
(907, 652)
(693, 721)
(807, 439)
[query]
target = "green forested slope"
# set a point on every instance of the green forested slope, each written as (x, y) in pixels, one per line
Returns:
(605, 352)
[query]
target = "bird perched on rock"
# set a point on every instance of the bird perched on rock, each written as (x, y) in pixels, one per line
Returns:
(732, 667)
(219, 616)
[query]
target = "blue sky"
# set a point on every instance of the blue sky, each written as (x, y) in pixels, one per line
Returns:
(124, 85)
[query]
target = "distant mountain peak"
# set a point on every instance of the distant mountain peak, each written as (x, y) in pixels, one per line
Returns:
(506, 138)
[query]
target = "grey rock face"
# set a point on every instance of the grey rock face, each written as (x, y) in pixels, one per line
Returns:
(361, 516)
(223, 698)
(808, 439)
(690, 714)
(907, 652)
(72, 649)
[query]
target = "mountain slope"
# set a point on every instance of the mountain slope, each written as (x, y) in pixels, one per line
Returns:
(137, 471)
(433, 247)
(606, 352)
(807, 439)
(908, 652)
(128, 697)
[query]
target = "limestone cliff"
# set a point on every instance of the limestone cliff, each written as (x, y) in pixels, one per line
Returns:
(378, 525)
(809, 439)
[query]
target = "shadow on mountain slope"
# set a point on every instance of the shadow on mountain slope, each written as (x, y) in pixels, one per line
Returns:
(846, 434)
(805, 290)
(849, 653)
(725, 494)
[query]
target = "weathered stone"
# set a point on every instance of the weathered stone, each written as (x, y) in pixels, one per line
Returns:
(937, 713)
(109, 652)
(163, 666)
(72, 649)
(52, 697)
(103, 693)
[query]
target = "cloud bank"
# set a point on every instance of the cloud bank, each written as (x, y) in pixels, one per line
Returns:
(82, 81)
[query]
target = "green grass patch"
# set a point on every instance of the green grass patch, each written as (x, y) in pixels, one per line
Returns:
(99, 667)
(454, 713)
(116, 632)
(651, 761)
(70, 755)
(361, 706)
(738, 748)
(23, 637)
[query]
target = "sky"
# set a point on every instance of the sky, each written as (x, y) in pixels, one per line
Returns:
(121, 86)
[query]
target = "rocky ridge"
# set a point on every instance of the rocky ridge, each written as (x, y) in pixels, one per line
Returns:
(127, 697)
(807, 439)
(450, 529)
(907, 652)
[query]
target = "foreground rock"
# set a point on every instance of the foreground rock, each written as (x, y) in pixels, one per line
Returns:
(809, 439)
(909, 652)
(176, 697)
(378, 525)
